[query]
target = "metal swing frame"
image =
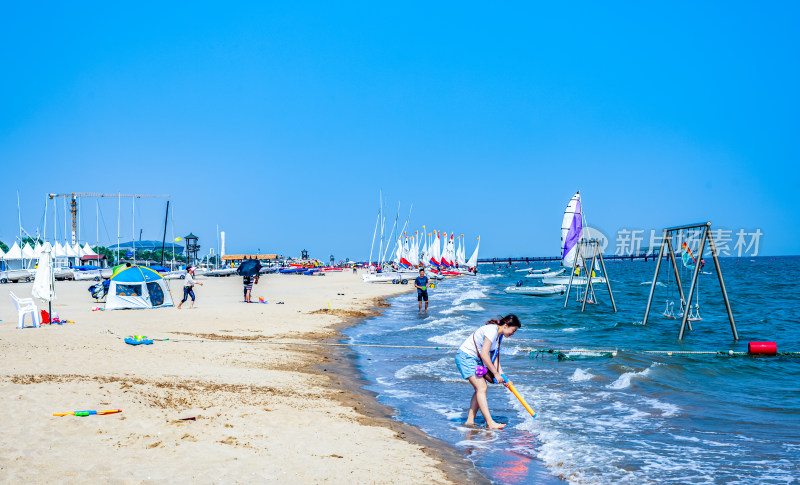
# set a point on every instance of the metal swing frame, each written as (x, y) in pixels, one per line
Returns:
(666, 240)
(597, 254)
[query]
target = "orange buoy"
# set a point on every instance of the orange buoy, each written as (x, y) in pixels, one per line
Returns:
(762, 348)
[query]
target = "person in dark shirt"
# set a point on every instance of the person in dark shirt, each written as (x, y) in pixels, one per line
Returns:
(421, 283)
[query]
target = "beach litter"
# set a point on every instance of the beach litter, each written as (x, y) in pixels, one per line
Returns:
(53, 319)
(89, 413)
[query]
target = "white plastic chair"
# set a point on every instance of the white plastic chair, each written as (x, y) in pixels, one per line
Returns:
(25, 306)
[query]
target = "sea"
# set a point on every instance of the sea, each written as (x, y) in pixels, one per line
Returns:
(634, 417)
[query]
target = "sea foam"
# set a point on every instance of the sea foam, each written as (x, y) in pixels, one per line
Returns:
(624, 380)
(581, 375)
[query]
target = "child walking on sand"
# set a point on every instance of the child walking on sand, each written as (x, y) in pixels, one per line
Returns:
(188, 287)
(478, 360)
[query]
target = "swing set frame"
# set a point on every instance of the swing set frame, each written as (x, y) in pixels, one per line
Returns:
(666, 240)
(592, 245)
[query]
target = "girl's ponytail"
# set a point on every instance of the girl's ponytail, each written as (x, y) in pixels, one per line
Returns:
(511, 320)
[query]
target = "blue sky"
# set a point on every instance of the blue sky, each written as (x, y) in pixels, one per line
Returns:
(280, 122)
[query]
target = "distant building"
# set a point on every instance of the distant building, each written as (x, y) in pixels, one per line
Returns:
(148, 246)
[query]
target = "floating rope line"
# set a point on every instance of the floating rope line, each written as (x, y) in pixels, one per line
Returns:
(563, 354)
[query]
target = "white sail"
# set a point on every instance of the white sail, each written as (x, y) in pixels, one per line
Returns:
(413, 256)
(425, 255)
(443, 256)
(571, 230)
(435, 255)
(473, 260)
(461, 256)
(399, 253)
(449, 254)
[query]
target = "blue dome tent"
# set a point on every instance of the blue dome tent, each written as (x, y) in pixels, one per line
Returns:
(137, 287)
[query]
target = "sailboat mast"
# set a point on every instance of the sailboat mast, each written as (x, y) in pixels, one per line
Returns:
(164, 237)
(133, 227)
(19, 216)
(172, 219)
(391, 234)
(119, 208)
(55, 223)
(374, 232)
(383, 225)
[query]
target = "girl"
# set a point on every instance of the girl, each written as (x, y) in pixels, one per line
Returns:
(481, 352)
(188, 286)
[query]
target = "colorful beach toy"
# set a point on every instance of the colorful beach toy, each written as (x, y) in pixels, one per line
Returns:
(138, 340)
(89, 413)
(521, 400)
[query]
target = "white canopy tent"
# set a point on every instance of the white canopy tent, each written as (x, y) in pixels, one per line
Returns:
(14, 252)
(78, 250)
(87, 250)
(37, 250)
(70, 253)
(27, 252)
(58, 251)
(13, 258)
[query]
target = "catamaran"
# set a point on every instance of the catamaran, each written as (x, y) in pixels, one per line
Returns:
(572, 230)
(537, 290)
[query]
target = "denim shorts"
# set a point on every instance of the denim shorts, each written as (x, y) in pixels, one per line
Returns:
(466, 364)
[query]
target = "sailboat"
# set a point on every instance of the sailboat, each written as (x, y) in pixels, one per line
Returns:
(571, 232)
(467, 267)
(473, 260)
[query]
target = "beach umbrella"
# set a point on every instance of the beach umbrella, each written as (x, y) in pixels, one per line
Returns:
(44, 287)
(249, 268)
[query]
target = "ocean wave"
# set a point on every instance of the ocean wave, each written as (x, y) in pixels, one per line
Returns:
(448, 412)
(667, 409)
(400, 393)
(436, 323)
(384, 381)
(581, 375)
(469, 295)
(658, 283)
(441, 367)
(472, 307)
(454, 338)
(624, 381)
(573, 329)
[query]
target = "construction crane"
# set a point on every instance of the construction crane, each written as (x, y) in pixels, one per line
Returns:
(74, 204)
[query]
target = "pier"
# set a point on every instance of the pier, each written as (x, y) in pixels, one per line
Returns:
(642, 255)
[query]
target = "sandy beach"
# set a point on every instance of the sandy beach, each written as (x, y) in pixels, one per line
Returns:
(263, 410)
